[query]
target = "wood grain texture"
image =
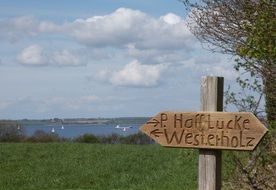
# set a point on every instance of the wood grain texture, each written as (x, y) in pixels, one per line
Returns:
(211, 130)
(209, 161)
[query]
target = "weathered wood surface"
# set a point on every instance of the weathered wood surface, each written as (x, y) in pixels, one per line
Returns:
(211, 130)
(209, 160)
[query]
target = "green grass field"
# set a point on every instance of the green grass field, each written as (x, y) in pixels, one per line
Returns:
(94, 166)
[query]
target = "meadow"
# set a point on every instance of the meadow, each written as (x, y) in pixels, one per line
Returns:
(32, 166)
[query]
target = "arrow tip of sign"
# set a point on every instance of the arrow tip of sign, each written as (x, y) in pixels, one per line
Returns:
(258, 121)
(143, 129)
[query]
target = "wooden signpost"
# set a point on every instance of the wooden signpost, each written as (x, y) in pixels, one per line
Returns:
(208, 130)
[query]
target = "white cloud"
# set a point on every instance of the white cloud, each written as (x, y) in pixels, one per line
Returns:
(153, 40)
(122, 34)
(32, 55)
(134, 74)
(65, 58)
(155, 56)
(118, 29)
(127, 26)
(16, 28)
(36, 55)
(217, 65)
(227, 73)
(167, 32)
(47, 26)
(211, 64)
(146, 38)
(171, 18)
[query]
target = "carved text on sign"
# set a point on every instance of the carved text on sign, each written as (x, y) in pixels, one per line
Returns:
(219, 130)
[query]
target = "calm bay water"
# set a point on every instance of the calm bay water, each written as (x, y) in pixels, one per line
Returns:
(71, 131)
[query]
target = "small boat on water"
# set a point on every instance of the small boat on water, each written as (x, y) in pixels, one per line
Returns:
(123, 128)
(53, 130)
(18, 127)
(62, 127)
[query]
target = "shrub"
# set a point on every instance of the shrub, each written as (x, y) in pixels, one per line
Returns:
(87, 138)
(137, 138)
(9, 132)
(41, 136)
(110, 139)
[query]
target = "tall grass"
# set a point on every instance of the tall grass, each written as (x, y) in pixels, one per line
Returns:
(29, 166)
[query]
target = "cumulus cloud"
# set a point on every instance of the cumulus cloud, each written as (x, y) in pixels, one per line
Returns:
(134, 74)
(36, 55)
(117, 29)
(171, 19)
(148, 39)
(131, 34)
(127, 26)
(32, 55)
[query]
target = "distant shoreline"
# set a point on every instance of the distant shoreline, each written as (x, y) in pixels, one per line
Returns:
(84, 121)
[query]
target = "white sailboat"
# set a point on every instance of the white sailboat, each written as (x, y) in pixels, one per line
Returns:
(53, 130)
(123, 128)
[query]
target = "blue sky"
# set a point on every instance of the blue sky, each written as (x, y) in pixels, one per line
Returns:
(100, 58)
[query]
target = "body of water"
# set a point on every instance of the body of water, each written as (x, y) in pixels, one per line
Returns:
(72, 131)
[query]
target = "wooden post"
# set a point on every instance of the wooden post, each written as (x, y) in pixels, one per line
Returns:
(209, 168)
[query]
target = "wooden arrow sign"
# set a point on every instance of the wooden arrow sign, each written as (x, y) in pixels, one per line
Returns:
(209, 130)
